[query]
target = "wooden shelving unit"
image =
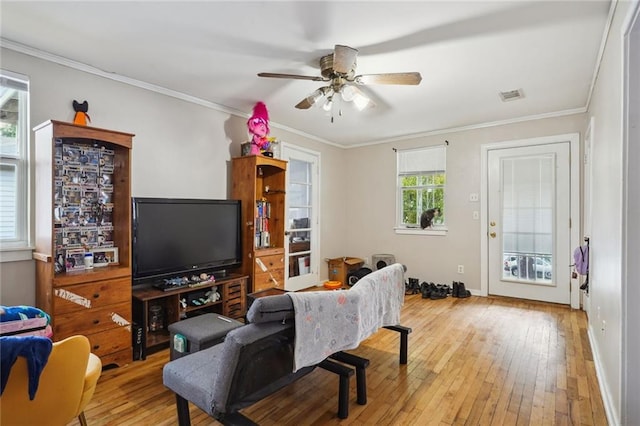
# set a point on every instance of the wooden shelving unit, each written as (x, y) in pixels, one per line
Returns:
(93, 302)
(259, 179)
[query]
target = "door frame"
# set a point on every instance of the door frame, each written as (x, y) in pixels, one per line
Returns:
(574, 202)
(315, 240)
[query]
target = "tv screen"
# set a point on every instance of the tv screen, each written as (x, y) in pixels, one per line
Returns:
(174, 237)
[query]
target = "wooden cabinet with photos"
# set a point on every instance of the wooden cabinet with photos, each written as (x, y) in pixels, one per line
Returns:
(83, 235)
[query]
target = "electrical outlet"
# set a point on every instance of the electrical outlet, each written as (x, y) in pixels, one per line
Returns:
(476, 215)
(473, 197)
(461, 269)
(604, 326)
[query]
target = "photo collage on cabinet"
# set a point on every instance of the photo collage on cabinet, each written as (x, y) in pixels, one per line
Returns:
(83, 205)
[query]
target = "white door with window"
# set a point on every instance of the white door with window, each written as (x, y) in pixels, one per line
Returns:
(528, 214)
(302, 263)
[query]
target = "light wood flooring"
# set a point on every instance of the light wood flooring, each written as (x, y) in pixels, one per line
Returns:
(475, 361)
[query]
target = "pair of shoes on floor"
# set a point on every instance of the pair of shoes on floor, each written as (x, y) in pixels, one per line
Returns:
(434, 291)
(412, 286)
(444, 288)
(459, 290)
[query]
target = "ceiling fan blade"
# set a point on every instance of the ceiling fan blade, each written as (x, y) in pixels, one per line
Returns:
(310, 100)
(344, 58)
(304, 104)
(294, 76)
(411, 78)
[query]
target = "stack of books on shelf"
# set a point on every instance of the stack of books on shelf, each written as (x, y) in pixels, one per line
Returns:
(263, 213)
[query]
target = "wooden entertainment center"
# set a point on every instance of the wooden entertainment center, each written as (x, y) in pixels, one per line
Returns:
(182, 303)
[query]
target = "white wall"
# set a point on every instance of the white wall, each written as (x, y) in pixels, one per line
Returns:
(606, 255)
(180, 149)
(17, 283)
(631, 247)
(371, 208)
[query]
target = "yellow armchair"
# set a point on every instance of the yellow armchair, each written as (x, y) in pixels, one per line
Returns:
(67, 384)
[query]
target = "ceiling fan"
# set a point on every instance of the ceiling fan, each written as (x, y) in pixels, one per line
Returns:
(338, 69)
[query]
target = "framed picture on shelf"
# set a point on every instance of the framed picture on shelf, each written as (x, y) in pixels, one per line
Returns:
(74, 260)
(104, 256)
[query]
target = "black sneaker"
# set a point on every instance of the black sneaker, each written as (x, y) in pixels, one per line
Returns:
(462, 291)
(425, 289)
(438, 292)
(445, 288)
(415, 285)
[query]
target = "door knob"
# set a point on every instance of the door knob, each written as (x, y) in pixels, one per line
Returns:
(492, 235)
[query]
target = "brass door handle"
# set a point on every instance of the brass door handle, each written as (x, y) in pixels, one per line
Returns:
(492, 235)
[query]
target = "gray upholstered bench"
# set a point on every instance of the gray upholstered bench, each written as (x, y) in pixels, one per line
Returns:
(255, 361)
(252, 362)
(200, 332)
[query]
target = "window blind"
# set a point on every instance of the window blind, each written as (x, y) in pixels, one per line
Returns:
(13, 83)
(422, 160)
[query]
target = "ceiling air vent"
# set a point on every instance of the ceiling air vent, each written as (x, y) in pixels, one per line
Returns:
(511, 95)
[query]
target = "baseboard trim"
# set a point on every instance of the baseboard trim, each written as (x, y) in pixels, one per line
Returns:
(609, 407)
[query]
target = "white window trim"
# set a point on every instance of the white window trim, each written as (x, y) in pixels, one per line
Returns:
(21, 249)
(16, 254)
(438, 230)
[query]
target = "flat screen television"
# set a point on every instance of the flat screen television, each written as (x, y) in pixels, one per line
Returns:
(175, 237)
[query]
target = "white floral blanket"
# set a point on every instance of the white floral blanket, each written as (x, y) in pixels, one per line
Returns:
(331, 321)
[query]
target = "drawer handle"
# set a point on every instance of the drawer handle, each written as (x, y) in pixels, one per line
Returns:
(96, 295)
(96, 321)
(96, 347)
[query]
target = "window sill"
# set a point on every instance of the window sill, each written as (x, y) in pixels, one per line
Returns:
(17, 254)
(439, 231)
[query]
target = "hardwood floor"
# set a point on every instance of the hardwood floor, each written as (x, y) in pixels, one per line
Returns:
(475, 361)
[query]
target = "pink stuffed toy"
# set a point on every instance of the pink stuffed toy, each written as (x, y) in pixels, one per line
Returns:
(258, 125)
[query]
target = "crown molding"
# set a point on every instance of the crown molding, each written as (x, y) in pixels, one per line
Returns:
(477, 126)
(60, 60)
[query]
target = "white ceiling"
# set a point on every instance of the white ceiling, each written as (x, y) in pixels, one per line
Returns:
(467, 52)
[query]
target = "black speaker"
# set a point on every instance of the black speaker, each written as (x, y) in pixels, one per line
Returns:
(355, 276)
(136, 337)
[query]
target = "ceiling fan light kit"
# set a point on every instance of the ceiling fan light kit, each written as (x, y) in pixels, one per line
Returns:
(352, 94)
(328, 104)
(339, 70)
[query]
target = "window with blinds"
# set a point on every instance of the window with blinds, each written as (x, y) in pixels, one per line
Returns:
(14, 136)
(421, 185)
